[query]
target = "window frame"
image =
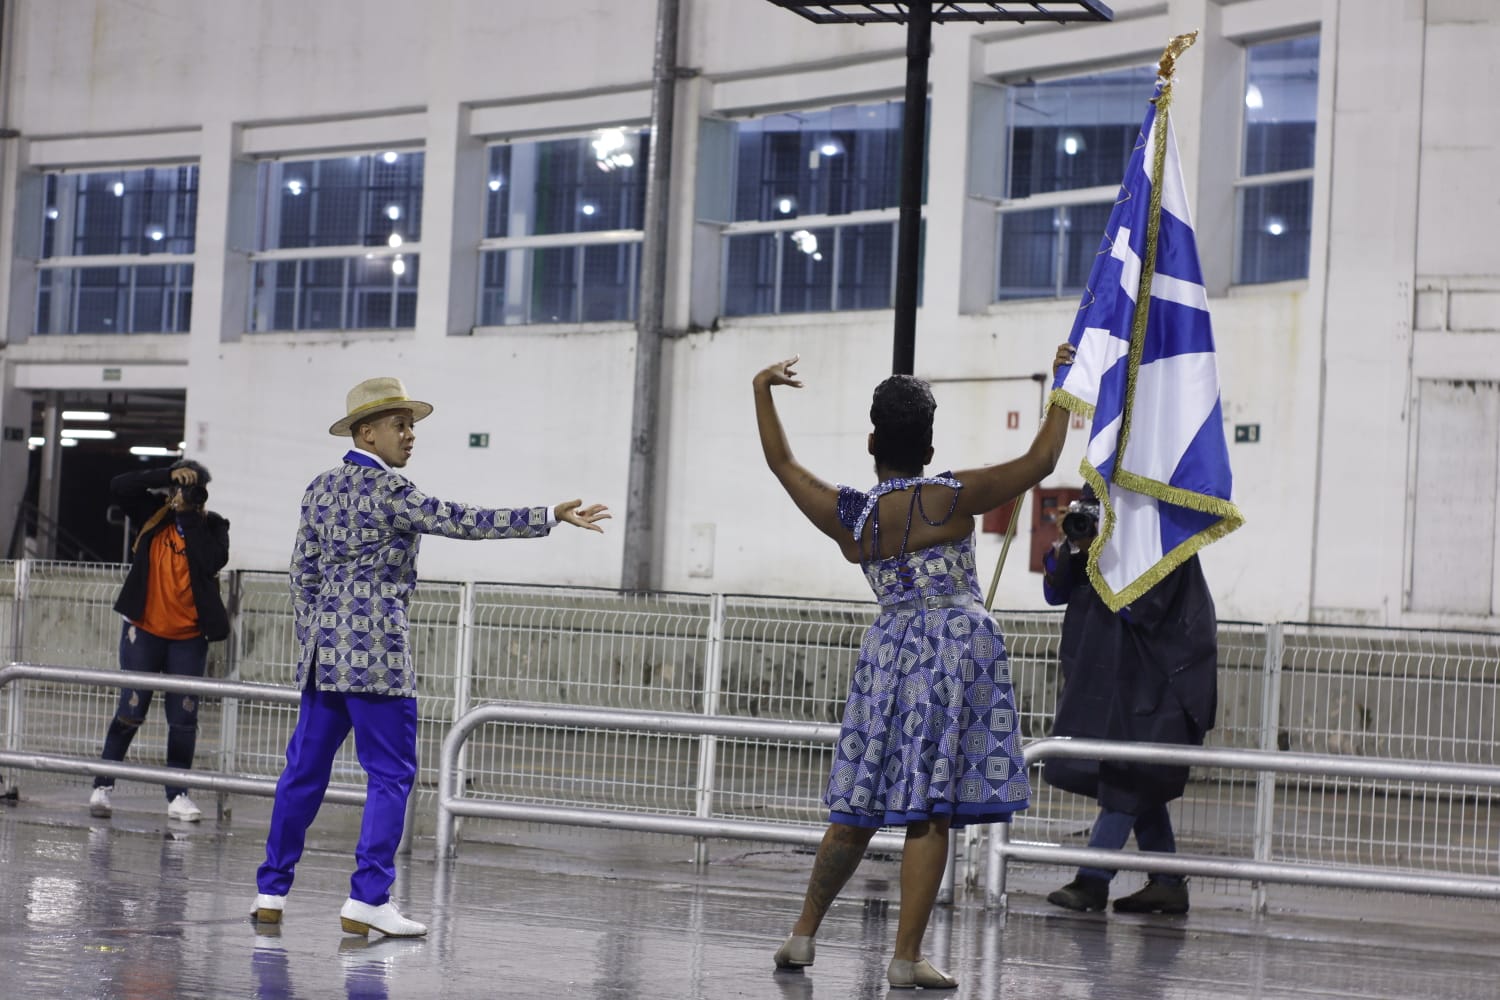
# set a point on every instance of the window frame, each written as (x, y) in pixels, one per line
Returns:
(1103, 194)
(82, 262)
(1242, 182)
(580, 242)
(347, 252)
(728, 230)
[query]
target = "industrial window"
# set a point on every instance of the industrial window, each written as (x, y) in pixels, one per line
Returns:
(811, 211)
(563, 229)
(116, 251)
(338, 244)
(1067, 142)
(1274, 189)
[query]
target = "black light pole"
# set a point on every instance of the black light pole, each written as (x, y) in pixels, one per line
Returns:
(919, 17)
(913, 177)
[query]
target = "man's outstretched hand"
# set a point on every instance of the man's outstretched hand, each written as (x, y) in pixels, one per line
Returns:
(573, 512)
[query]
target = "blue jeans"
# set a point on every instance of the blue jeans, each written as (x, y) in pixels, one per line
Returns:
(1153, 832)
(385, 740)
(142, 652)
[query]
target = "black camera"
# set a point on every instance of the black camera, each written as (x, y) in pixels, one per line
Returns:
(1081, 521)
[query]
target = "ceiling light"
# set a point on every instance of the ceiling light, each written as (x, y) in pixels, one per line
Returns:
(119, 189)
(294, 187)
(87, 434)
(153, 451)
(68, 443)
(85, 415)
(1254, 100)
(588, 208)
(1275, 226)
(156, 235)
(393, 212)
(390, 157)
(394, 240)
(398, 266)
(35, 442)
(785, 206)
(495, 183)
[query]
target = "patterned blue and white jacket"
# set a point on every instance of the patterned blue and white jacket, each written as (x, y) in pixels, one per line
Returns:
(355, 565)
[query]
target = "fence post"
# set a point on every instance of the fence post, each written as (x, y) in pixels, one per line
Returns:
(462, 685)
(708, 744)
(1265, 781)
(229, 708)
(18, 652)
(16, 647)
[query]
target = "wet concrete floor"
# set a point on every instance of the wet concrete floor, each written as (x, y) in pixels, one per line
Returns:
(138, 906)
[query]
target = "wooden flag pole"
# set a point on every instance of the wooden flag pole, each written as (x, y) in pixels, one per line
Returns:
(1010, 533)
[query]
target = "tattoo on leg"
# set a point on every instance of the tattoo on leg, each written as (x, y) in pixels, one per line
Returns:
(835, 863)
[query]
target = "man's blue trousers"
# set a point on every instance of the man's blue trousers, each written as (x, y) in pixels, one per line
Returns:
(385, 740)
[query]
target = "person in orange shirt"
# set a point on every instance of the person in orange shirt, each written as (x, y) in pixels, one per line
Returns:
(172, 610)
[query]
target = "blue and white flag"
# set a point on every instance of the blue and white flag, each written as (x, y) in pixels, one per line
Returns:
(1145, 372)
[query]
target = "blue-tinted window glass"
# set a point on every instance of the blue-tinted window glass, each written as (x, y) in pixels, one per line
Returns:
(365, 200)
(1049, 252)
(1073, 133)
(866, 256)
(150, 210)
(339, 293)
(1281, 105)
(1275, 232)
(830, 162)
(584, 184)
(132, 299)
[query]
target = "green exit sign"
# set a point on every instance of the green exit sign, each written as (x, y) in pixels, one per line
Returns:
(479, 440)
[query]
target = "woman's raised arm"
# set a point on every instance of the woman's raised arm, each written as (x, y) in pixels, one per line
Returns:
(817, 500)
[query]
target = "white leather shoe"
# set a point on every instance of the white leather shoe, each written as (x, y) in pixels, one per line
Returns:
(267, 909)
(361, 918)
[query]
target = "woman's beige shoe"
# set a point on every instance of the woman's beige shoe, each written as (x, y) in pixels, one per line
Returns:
(798, 952)
(904, 975)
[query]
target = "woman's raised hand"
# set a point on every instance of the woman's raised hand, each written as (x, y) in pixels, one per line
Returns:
(1065, 356)
(780, 373)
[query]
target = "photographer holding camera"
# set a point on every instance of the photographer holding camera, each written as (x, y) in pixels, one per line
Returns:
(172, 610)
(1146, 674)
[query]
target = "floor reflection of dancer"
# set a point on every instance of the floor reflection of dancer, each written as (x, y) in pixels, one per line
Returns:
(929, 735)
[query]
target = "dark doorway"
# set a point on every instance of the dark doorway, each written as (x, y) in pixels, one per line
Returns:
(137, 429)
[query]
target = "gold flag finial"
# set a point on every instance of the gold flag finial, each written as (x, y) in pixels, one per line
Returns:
(1175, 48)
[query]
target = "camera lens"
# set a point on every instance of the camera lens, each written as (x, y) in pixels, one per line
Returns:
(1077, 524)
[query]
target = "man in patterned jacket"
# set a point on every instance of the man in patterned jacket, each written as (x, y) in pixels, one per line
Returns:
(352, 573)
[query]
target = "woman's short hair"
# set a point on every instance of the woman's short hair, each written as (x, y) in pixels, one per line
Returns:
(902, 411)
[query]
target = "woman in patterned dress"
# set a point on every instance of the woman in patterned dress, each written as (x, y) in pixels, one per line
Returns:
(929, 736)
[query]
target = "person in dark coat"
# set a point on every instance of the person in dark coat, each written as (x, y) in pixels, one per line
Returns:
(1147, 674)
(172, 610)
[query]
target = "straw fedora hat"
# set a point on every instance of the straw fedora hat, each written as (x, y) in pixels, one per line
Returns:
(376, 395)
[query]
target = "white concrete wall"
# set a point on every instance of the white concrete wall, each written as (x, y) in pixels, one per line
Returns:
(1404, 216)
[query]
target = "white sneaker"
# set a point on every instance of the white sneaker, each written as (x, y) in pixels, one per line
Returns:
(361, 918)
(267, 909)
(99, 803)
(184, 808)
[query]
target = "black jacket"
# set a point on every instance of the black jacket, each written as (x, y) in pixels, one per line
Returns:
(205, 536)
(1146, 675)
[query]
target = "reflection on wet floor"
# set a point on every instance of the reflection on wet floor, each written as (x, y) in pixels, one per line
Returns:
(138, 906)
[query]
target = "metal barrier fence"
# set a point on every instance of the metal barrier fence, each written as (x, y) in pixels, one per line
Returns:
(1259, 867)
(1337, 691)
(217, 781)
